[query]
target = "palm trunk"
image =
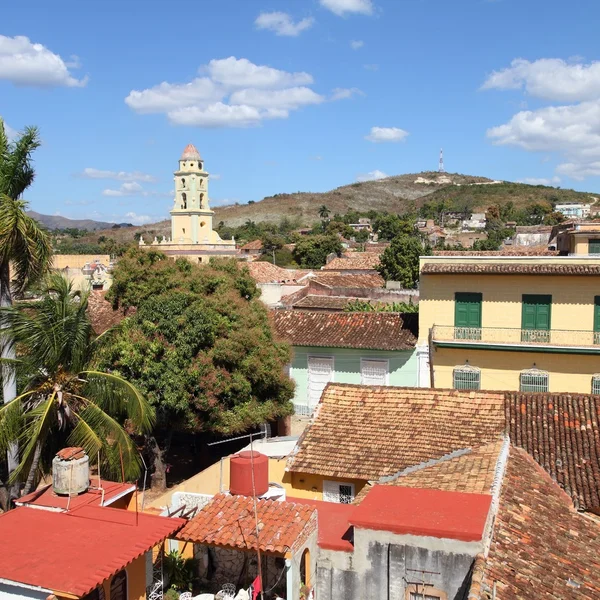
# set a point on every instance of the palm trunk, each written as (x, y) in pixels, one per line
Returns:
(32, 477)
(9, 381)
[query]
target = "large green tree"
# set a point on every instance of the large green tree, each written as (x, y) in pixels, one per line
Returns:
(24, 246)
(64, 398)
(400, 260)
(200, 347)
(312, 251)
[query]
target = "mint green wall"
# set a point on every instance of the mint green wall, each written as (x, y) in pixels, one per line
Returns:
(402, 366)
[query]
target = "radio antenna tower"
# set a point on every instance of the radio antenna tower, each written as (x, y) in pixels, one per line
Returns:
(441, 164)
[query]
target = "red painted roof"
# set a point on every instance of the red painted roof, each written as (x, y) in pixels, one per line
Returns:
(190, 152)
(417, 511)
(75, 552)
(45, 496)
(334, 523)
(229, 521)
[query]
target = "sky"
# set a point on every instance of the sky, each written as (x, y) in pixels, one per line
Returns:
(296, 95)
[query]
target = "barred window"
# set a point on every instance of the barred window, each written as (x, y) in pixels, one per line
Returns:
(466, 378)
(533, 380)
(596, 385)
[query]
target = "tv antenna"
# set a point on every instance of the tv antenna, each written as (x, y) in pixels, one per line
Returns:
(441, 163)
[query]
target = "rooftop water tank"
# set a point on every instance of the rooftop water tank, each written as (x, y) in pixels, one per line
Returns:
(70, 472)
(240, 473)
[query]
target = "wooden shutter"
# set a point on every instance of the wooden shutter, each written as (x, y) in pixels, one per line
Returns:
(467, 310)
(536, 312)
(594, 246)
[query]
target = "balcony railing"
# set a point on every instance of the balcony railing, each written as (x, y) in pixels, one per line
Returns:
(516, 336)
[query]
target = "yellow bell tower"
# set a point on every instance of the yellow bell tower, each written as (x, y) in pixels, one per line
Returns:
(191, 217)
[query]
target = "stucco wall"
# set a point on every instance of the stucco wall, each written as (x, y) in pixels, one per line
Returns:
(500, 370)
(307, 485)
(77, 261)
(402, 367)
(384, 565)
(572, 299)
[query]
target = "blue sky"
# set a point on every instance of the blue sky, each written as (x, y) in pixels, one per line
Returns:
(288, 95)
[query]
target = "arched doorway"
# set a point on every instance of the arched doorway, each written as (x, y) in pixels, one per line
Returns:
(305, 568)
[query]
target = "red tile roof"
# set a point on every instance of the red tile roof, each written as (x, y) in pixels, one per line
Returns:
(366, 280)
(254, 245)
(190, 152)
(334, 523)
(542, 549)
(562, 432)
(508, 251)
(265, 272)
(323, 302)
(74, 553)
(509, 268)
(373, 330)
(387, 429)
(45, 496)
(101, 313)
(357, 261)
(431, 513)
(229, 521)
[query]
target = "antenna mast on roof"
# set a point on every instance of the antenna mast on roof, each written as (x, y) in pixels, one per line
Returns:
(441, 163)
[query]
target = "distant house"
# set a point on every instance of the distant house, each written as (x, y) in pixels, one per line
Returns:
(251, 250)
(574, 210)
(532, 235)
(477, 221)
(370, 348)
(354, 262)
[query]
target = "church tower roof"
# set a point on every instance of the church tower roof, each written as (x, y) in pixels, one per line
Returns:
(190, 152)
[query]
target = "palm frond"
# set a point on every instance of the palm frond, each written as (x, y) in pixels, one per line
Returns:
(17, 173)
(39, 421)
(11, 424)
(22, 243)
(115, 394)
(106, 428)
(4, 146)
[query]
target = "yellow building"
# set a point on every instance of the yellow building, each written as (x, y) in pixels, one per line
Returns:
(498, 322)
(192, 234)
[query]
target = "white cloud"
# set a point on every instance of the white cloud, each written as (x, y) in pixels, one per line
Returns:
(386, 134)
(132, 188)
(231, 93)
(11, 133)
(371, 67)
(356, 44)
(27, 64)
(136, 219)
(573, 131)
(317, 157)
(344, 7)
(541, 180)
(343, 93)
(371, 175)
(551, 79)
(91, 173)
(282, 24)
(215, 176)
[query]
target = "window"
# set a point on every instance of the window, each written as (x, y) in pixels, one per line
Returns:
(118, 586)
(533, 380)
(594, 246)
(596, 385)
(467, 316)
(424, 591)
(374, 372)
(183, 182)
(597, 320)
(535, 320)
(184, 198)
(335, 491)
(466, 378)
(200, 166)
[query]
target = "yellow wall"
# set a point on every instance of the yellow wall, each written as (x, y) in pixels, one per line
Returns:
(77, 261)
(306, 485)
(572, 299)
(136, 580)
(500, 370)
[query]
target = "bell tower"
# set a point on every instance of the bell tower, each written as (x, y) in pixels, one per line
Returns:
(191, 217)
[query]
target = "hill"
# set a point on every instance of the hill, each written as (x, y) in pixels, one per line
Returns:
(397, 194)
(57, 222)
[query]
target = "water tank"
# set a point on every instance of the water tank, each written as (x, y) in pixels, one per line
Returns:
(240, 473)
(70, 472)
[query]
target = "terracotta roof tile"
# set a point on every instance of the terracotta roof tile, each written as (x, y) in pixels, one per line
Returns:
(562, 433)
(229, 521)
(254, 245)
(512, 268)
(387, 429)
(367, 280)
(507, 251)
(542, 549)
(354, 262)
(101, 313)
(374, 330)
(265, 272)
(323, 302)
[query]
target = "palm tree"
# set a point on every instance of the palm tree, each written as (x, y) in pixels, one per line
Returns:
(64, 400)
(22, 244)
(324, 212)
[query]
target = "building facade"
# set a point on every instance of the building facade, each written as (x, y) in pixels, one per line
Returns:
(528, 323)
(192, 233)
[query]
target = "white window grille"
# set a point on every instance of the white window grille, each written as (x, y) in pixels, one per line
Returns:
(374, 371)
(336, 491)
(596, 385)
(466, 378)
(533, 380)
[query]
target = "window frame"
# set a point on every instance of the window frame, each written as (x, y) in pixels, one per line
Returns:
(464, 369)
(364, 359)
(467, 331)
(536, 334)
(534, 373)
(328, 491)
(596, 384)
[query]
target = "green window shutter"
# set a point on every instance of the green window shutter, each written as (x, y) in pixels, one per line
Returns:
(467, 316)
(594, 246)
(535, 321)
(596, 319)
